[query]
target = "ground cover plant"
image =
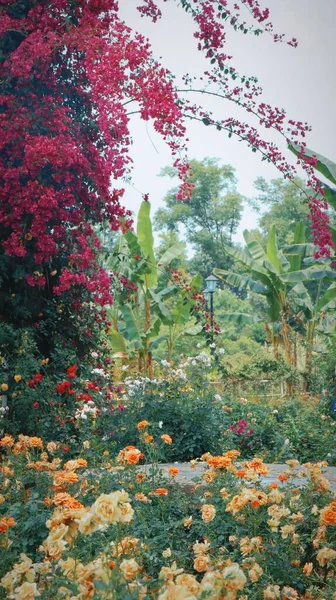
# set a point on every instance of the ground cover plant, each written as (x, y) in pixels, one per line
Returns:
(72, 530)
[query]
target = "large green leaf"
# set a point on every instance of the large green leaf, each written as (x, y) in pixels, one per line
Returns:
(302, 299)
(299, 250)
(154, 329)
(328, 297)
(323, 165)
(168, 292)
(330, 195)
(299, 238)
(155, 343)
(333, 234)
(274, 308)
(146, 242)
(196, 282)
(243, 257)
(160, 308)
(255, 248)
(131, 330)
(181, 312)
(239, 318)
(272, 250)
(310, 274)
(241, 281)
(133, 244)
(117, 341)
(173, 252)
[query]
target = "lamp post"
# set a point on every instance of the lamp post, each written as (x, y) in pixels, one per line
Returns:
(211, 285)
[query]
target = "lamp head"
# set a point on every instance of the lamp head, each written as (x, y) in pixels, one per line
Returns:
(211, 283)
(206, 295)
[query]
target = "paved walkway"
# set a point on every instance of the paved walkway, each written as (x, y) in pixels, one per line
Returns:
(187, 474)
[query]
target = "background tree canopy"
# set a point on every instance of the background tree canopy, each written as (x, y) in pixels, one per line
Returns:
(211, 216)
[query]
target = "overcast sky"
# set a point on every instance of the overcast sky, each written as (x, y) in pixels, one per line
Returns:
(299, 80)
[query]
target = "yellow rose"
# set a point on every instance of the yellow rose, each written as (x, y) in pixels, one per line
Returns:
(255, 573)
(325, 556)
(53, 548)
(201, 563)
(112, 508)
(176, 592)
(87, 524)
(208, 512)
(234, 577)
(51, 446)
(272, 592)
(4, 387)
(129, 568)
(17, 378)
(188, 581)
(26, 591)
(23, 566)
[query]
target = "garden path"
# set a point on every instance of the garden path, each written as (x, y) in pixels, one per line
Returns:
(188, 474)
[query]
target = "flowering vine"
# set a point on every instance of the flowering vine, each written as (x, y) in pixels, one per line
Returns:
(70, 72)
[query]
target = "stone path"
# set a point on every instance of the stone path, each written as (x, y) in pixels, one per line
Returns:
(187, 474)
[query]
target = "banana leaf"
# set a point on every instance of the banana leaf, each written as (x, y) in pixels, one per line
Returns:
(241, 281)
(273, 251)
(239, 318)
(323, 164)
(146, 242)
(173, 252)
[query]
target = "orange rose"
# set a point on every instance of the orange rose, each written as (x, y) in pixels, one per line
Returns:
(64, 477)
(173, 471)
(219, 462)
(232, 453)
(6, 523)
(142, 425)
(201, 563)
(240, 473)
(258, 466)
(328, 516)
(166, 438)
(35, 442)
(7, 440)
(133, 457)
(160, 492)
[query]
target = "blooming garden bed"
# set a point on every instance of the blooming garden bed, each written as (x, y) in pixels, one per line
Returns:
(65, 533)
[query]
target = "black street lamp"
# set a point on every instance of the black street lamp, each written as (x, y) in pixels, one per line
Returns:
(211, 285)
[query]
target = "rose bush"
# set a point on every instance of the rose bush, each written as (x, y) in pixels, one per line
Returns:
(121, 531)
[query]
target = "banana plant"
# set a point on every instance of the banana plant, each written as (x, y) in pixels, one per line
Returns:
(273, 274)
(138, 315)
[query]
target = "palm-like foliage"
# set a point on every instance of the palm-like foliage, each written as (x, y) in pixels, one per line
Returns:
(280, 276)
(138, 316)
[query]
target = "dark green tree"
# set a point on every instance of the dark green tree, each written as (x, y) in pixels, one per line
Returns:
(210, 218)
(283, 203)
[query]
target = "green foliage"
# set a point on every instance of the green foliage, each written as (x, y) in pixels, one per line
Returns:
(209, 218)
(146, 314)
(285, 204)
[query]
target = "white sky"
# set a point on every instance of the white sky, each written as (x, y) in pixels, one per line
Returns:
(299, 80)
